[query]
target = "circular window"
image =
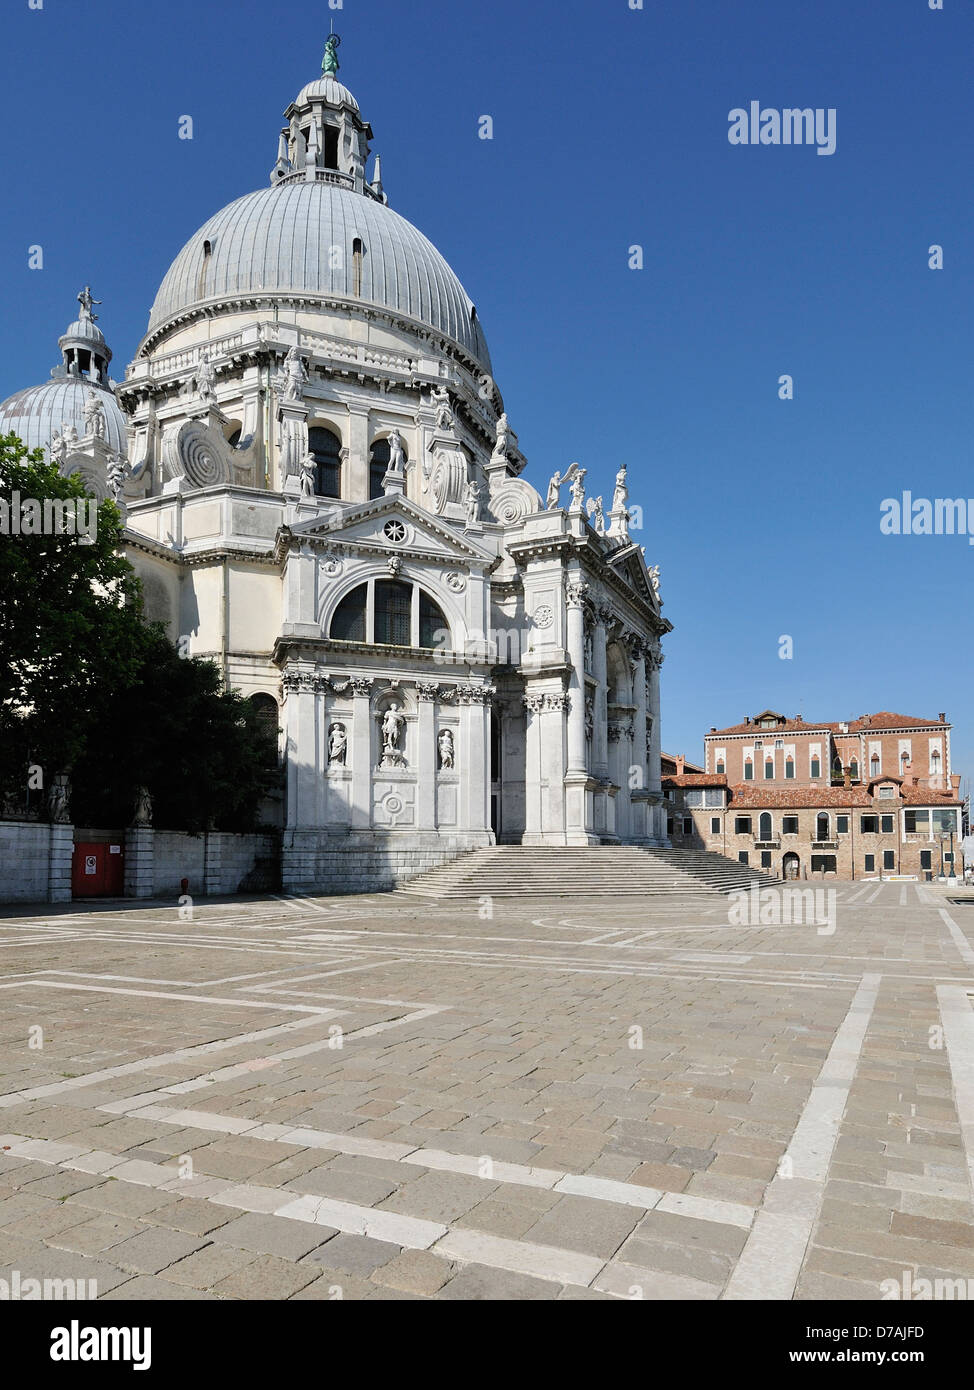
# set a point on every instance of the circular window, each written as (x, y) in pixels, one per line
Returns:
(394, 531)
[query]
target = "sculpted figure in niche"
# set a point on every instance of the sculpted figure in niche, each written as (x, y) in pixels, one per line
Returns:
(392, 727)
(337, 744)
(308, 476)
(445, 745)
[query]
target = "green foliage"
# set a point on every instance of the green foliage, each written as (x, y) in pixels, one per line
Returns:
(89, 688)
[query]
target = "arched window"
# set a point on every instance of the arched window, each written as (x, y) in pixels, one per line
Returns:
(432, 624)
(378, 464)
(720, 765)
(348, 624)
(358, 252)
(768, 770)
(874, 765)
(904, 760)
(816, 768)
(822, 825)
(265, 708)
(764, 826)
(326, 447)
(789, 769)
(393, 612)
(748, 770)
(854, 770)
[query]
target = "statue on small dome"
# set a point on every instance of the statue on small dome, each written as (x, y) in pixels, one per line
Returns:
(86, 300)
(329, 63)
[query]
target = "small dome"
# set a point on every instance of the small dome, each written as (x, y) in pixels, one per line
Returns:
(280, 241)
(36, 413)
(85, 329)
(329, 90)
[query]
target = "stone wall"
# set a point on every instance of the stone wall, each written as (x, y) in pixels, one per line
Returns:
(35, 862)
(313, 861)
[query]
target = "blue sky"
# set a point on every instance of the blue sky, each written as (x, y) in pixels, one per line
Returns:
(610, 130)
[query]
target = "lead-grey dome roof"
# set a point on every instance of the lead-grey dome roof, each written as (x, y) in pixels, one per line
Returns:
(35, 414)
(279, 240)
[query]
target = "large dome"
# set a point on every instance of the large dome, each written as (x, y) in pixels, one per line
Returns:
(35, 414)
(280, 240)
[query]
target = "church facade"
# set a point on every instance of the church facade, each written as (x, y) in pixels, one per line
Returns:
(323, 495)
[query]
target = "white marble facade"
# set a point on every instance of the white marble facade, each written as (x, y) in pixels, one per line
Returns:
(323, 494)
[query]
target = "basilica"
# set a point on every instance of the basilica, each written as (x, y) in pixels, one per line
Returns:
(323, 495)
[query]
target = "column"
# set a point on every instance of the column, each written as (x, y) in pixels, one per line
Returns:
(475, 738)
(361, 752)
(637, 798)
(553, 765)
(653, 770)
(426, 758)
(600, 747)
(574, 594)
(533, 705)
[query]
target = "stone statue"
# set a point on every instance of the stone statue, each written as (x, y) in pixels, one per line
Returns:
(308, 466)
(445, 746)
(397, 454)
(294, 375)
(94, 415)
(620, 497)
(143, 807)
(578, 490)
(57, 802)
(597, 514)
(392, 727)
(474, 499)
(337, 744)
(117, 472)
(70, 434)
(59, 447)
(503, 438)
(654, 578)
(554, 493)
(329, 63)
(205, 378)
(86, 300)
(440, 400)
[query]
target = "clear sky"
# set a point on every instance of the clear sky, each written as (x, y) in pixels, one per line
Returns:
(610, 131)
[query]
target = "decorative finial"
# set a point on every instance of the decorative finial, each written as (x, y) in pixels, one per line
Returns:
(85, 300)
(329, 63)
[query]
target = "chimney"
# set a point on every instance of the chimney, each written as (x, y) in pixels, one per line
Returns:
(713, 728)
(681, 763)
(955, 781)
(846, 777)
(942, 717)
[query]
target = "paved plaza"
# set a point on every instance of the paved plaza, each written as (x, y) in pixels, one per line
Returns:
(384, 1098)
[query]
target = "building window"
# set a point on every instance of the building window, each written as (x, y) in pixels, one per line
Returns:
(944, 822)
(326, 448)
(842, 825)
(378, 464)
(869, 863)
(886, 825)
(393, 612)
(837, 769)
(720, 765)
(765, 859)
(889, 859)
(687, 825)
(742, 825)
(822, 826)
(917, 822)
(789, 769)
(816, 768)
(768, 770)
(669, 825)
(874, 765)
(869, 825)
(789, 825)
(433, 627)
(823, 863)
(348, 623)
(358, 251)
(265, 708)
(764, 826)
(331, 146)
(887, 793)
(715, 825)
(743, 857)
(854, 770)
(748, 770)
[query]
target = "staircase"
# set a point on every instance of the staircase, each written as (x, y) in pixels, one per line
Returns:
(556, 871)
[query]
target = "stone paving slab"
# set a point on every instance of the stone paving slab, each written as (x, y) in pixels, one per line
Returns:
(641, 1100)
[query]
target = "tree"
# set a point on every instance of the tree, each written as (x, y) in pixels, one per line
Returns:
(88, 688)
(70, 617)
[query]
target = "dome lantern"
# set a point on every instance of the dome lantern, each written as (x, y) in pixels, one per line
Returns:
(326, 138)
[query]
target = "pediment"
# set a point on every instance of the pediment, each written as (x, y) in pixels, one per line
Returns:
(412, 530)
(629, 564)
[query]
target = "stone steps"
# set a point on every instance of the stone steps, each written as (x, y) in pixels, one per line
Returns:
(543, 871)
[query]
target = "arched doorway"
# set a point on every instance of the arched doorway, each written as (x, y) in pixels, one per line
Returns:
(791, 866)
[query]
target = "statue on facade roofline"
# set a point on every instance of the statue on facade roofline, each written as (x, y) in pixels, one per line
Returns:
(86, 300)
(578, 489)
(503, 443)
(620, 497)
(294, 376)
(597, 514)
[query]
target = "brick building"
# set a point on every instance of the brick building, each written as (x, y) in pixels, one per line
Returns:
(835, 800)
